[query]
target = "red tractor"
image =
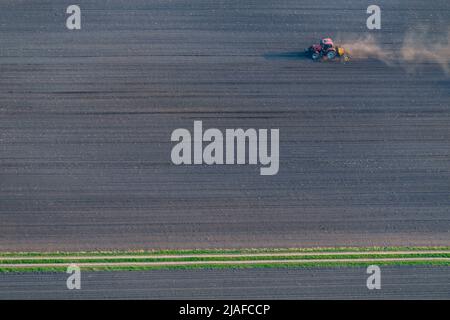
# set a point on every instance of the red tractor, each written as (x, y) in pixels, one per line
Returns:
(326, 49)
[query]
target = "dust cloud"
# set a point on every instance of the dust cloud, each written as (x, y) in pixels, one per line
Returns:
(418, 47)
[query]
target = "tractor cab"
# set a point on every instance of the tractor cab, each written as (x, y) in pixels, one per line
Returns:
(326, 44)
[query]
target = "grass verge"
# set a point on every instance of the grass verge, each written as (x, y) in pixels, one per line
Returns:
(218, 251)
(232, 266)
(237, 259)
(211, 259)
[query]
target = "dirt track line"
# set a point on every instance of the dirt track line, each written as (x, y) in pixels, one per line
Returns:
(186, 263)
(235, 255)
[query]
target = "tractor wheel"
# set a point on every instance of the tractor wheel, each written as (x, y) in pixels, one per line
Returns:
(315, 56)
(331, 55)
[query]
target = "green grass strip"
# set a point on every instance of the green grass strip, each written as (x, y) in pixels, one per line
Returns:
(240, 258)
(219, 251)
(233, 266)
